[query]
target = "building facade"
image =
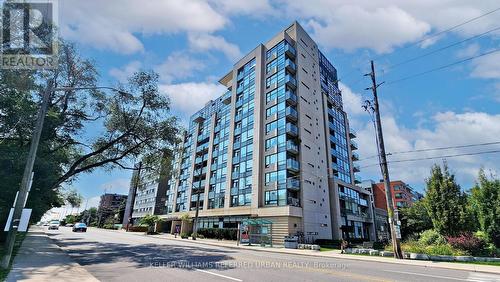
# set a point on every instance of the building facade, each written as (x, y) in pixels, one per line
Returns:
(276, 145)
(402, 195)
(147, 194)
(112, 206)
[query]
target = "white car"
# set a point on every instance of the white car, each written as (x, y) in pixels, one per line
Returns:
(54, 225)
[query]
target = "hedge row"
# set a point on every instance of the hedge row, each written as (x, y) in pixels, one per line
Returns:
(219, 233)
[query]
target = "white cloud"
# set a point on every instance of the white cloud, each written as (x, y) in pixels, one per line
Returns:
(118, 186)
(447, 129)
(115, 25)
(177, 66)
(206, 42)
(382, 25)
(469, 51)
(487, 66)
(352, 27)
(122, 74)
(352, 102)
(254, 8)
(189, 97)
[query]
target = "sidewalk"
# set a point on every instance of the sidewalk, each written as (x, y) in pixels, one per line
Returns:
(333, 254)
(39, 259)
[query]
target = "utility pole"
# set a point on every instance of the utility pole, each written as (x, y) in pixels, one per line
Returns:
(383, 167)
(23, 191)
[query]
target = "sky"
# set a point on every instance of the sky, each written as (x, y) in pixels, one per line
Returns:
(191, 44)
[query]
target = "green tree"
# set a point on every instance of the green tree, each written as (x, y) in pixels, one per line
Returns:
(414, 219)
(151, 221)
(485, 198)
(84, 130)
(444, 201)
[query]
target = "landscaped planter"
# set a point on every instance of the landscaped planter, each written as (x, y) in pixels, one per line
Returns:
(364, 251)
(464, 258)
(386, 254)
(419, 256)
(442, 258)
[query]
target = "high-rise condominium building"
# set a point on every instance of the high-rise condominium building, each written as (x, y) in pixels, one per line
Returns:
(276, 145)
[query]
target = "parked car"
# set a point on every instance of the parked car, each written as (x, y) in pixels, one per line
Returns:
(54, 225)
(80, 227)
(69, 225)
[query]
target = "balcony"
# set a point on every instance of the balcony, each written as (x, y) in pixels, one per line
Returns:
(291, 129)
(290, 51)
(335, 167)
(198, 117)
(354, 145)
(356, 168)
(357, 179)
(290, 82)
(352, 133)
(292, 147)
(290, 66)
(293, 184)
(355, 156)
(291, 113)
(238, 103)
(226, 98)
(292, 165)
(290, 98)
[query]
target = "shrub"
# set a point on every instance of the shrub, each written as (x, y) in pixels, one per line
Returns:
(219, 233)
(185, 235)
(431, 237)
(443, 249)
(138, 228)
(467, 243)
(412, 247)
(326, 243)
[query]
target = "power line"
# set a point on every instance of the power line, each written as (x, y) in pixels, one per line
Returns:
(437, 157)
(435, 149)
(442, 48)
(442, 67)
(443, 31)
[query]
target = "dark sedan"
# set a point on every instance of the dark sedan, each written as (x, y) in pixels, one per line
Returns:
(80, 227)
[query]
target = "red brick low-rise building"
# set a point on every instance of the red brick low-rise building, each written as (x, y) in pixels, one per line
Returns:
(402, 195)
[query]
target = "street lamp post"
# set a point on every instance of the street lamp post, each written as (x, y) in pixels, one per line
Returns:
(35, 139)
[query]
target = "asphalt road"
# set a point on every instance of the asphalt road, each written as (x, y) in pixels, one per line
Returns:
(116, 256)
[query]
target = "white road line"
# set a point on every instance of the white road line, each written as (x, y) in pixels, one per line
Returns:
(427, 275)
(483, 277)
(220, 275)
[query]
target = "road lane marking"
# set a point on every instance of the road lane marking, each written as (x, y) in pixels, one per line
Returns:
(217, 274)
(483, 277)
(427, 275)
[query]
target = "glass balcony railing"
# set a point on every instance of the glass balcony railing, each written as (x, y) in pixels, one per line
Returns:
(290, 98)
(356, 168)
(291, 113)
(292, 147)
(352, 133)
(226, 98)
(293, 184)
(292, 165)
(290, 51)
(355, 156)
(354, 145)
(290, 81)
(357, 179)
(291, 129)
(290, 66)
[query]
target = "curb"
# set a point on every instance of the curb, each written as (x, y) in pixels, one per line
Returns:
(433, 264)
